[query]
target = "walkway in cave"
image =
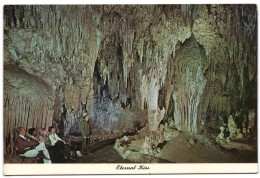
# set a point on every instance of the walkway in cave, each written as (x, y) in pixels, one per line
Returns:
(105, 154)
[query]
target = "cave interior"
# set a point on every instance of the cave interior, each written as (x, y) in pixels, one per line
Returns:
(161, 83)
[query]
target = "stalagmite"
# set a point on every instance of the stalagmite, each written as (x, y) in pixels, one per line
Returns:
(251, 117)
(146, 147)
(232, 128)
(187, 97)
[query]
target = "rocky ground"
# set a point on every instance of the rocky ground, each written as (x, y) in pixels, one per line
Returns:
(186, 149)
(182, 149)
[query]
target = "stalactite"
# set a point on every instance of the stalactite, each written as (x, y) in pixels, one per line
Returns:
(24, 106)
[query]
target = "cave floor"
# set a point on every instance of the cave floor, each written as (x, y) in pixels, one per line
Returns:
(105, 154)
(177, 150)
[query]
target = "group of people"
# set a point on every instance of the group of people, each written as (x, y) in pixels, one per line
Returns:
(54, 149)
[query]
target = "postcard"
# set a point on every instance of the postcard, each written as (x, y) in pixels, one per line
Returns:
(129, 89)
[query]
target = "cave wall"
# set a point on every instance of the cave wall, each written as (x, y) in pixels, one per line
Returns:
(126, 64)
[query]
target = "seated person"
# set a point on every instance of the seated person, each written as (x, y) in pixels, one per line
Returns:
(59, 145)
(44, 135)
(29, 147)
(32, 133)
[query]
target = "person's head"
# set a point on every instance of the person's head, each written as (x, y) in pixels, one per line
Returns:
(86, 116)
(51, 129)
(43, 132)
(20, 131)
(32, 131)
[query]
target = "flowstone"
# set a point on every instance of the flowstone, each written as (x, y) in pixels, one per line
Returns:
(239, 134)
(171, 123)
(170, 133)
(234, 132)
(147, 147)
(220, 135)
(251, 122)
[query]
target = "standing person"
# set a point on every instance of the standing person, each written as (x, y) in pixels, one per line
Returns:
(85, 129)
(59, 144)
(29, 147)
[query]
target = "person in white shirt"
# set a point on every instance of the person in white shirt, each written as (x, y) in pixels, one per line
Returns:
(29, 147)
(59, 145)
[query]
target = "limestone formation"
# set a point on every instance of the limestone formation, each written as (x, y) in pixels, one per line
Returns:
(232, 128)
(171, 123)
(251, 122)
(221, 134)
(239, 134)
(234, 132)
(170, 133)
(244, 131)
(191, 141)
(147, 147)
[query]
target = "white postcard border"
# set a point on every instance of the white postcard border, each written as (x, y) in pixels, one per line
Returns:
(162, 168)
